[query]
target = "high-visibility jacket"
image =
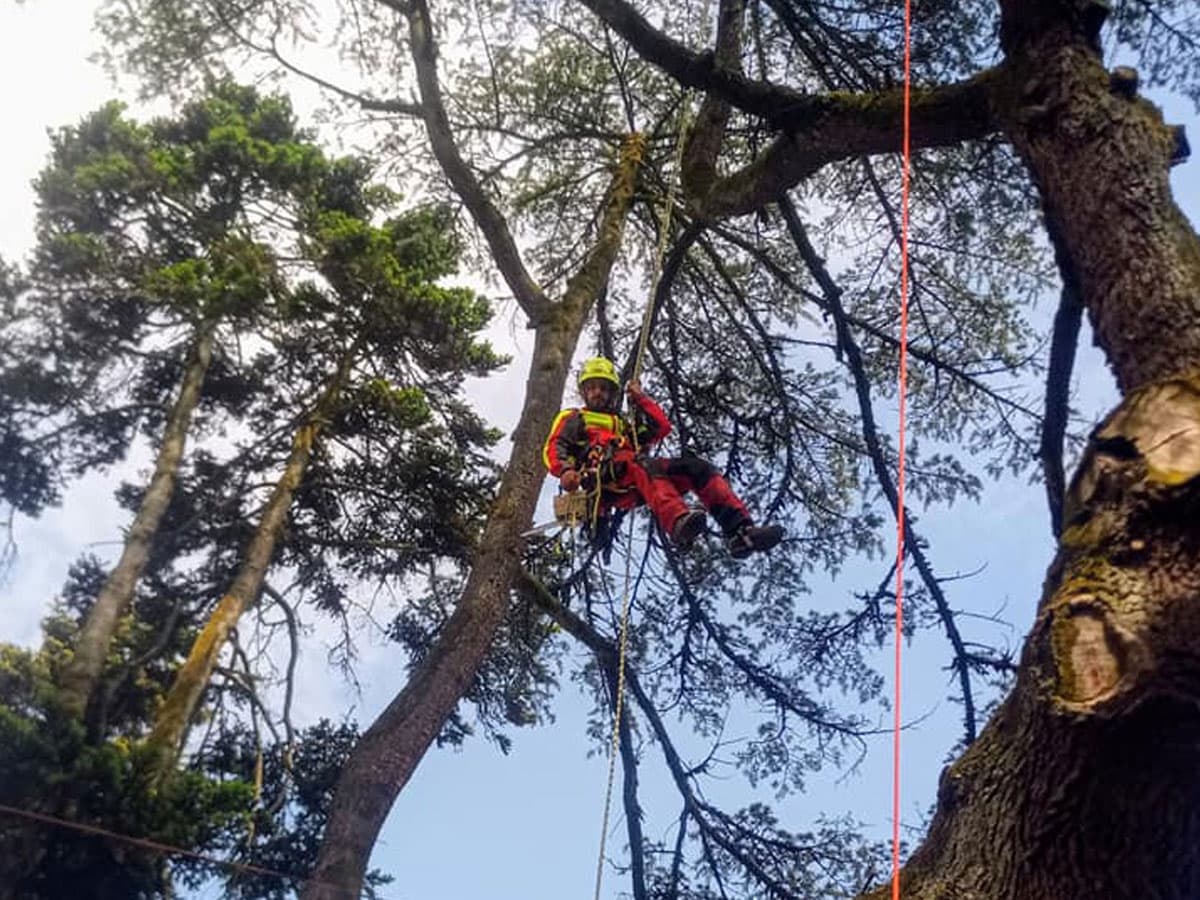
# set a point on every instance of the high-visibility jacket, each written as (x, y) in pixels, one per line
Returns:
(577, 431)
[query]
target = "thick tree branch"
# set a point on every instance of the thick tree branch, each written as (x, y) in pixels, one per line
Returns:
(819, 128)
(485, 213)
(629, 794)
(783, 108)
(703, 148)
(1100, 157)
(82, 682)
(98, 722)
(852, 125)
(388, 752)
(584, 287)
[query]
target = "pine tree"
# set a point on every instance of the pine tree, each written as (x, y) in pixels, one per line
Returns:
(154, 252)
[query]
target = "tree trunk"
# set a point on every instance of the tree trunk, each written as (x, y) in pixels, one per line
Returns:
(81, 677)
(1085, 783)
(699, 169)
(1100, 159)
(170, 725)
(389, 751)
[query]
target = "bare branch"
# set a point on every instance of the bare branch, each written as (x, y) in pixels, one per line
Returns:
(854, 361)
(293, 628)
(677, 855)
(702, 813)
(1063, 344)
(372, 104)
(633, 810)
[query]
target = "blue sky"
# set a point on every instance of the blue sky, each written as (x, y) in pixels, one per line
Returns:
(475, 823)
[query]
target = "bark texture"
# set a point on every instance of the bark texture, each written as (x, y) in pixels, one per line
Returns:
(854, 125)
(171, 722)
(1100, 159)
(81, 678)
(1085, 784)
(699, 165)
(389, 751)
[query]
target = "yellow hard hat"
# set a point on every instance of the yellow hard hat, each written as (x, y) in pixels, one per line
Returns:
(599, 367)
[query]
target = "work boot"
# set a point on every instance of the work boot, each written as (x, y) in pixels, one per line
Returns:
(753, 539)
(687, 528)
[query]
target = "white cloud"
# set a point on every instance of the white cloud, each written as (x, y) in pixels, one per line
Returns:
(45, 89)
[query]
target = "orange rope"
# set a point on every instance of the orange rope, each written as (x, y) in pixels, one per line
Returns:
(906, 152)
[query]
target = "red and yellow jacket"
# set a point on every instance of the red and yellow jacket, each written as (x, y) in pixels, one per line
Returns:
(578, 430)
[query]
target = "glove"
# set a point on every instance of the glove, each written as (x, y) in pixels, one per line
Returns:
(569, 480)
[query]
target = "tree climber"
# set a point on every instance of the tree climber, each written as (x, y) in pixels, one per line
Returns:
(594, 442)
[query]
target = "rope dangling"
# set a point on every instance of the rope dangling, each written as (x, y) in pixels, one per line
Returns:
(618, 708)
(627, 598)
(664, 237)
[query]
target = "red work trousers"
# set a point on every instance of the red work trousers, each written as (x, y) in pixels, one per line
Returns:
(661, 484)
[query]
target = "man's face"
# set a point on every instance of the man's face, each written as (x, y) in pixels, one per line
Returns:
(597, 393)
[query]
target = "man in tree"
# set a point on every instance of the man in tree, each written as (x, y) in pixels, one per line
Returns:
(594, 447)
